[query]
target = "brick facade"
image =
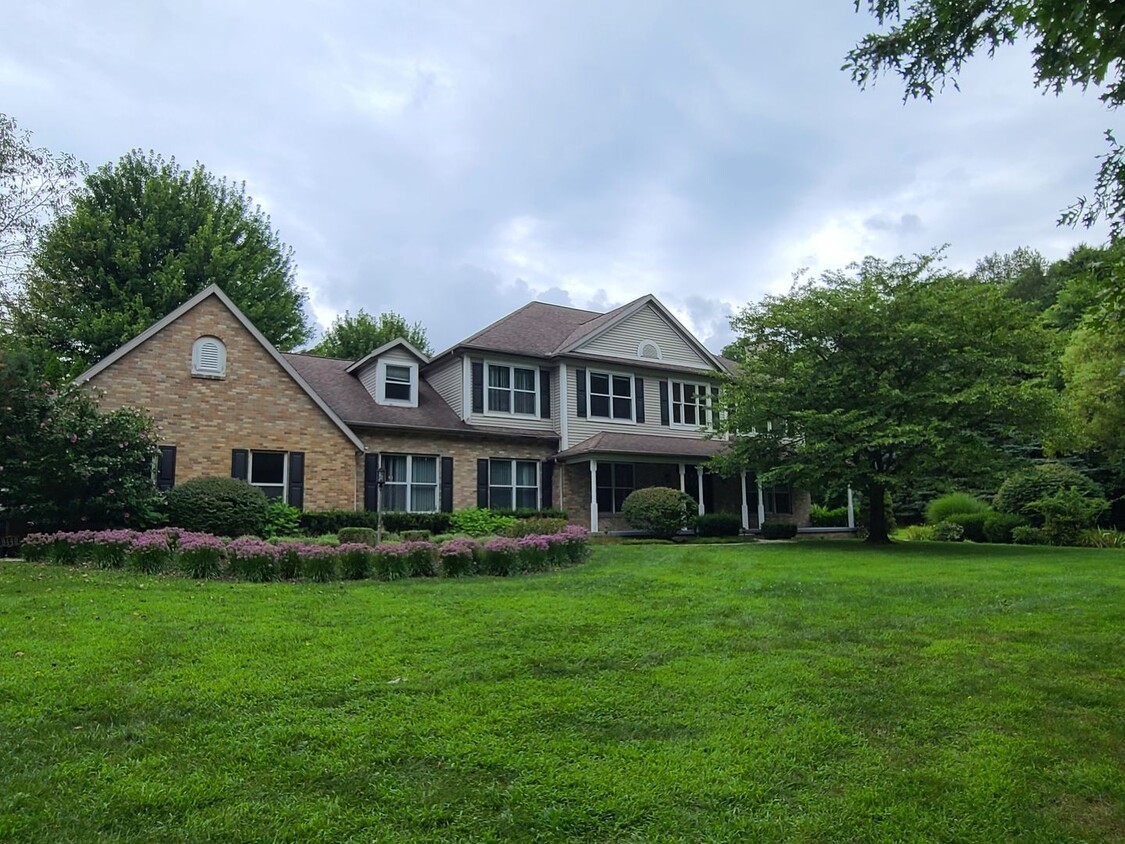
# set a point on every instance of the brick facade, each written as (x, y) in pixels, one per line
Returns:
(465, 452)
(256, 406)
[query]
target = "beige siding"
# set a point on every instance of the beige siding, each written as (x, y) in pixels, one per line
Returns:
(512, 420)
(623, 339)
(579, 429)
(368, 374)
(447, 379)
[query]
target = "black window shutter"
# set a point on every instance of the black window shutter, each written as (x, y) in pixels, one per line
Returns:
(478, 386)
(580, 383)
(482, 483)
(240, 464)
(447, 484)
(545, 393)
(370, 481)
(166, 468)
(546, 484)
(639, 389)
(664, 387)
(296, 497)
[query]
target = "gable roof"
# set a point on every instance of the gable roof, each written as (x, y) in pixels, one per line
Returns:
(539, 329)
(422, 357)
(214, 290)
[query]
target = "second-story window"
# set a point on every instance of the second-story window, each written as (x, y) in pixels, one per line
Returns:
(691, 404)
(397, 384)
(512, 389)
(397, 387)
(611, 396)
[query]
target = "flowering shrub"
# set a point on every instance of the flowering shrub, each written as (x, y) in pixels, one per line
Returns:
(458, 557)
(500, 556)
(150, 552)
(392, 560)
(201, 554)
(421, 558)
(109, 548)
(355, 560)
(318, 562)
(251, 558)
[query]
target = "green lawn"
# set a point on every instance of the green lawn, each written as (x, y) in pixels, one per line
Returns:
(816, 691)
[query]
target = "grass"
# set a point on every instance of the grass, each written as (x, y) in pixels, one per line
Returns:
(798, 692)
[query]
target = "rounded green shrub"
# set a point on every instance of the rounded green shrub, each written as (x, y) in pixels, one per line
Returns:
(217, 505)
(948, 532)
(972, 524)
(659, 510)
(1027, 535)
(718, 524)
(1037, 482)
(953, 504)
(779, 530)
(998, 527)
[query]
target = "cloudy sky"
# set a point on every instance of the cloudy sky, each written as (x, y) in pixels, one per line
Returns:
(453, 160)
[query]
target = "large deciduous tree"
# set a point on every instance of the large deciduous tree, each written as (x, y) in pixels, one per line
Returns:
(352, 337)
(143, 236)
(1074, 43)
(35, 185)
(888, 373)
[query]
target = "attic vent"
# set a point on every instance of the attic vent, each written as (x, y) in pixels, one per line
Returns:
(648, 349)
(209, 357)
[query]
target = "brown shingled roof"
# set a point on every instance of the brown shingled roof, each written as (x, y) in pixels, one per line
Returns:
(537, 329)
(349, 399)
(613, 442)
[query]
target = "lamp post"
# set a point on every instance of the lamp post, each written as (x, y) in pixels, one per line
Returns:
(380, 479)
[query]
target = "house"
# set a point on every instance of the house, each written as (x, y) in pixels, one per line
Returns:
(549, 406)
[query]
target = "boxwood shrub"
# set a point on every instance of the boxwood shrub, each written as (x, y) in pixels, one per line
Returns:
(218, 505)
(998, 527)
(779, 530)
(353, 535)
(718, 524)
(972, 524)
(659, 510)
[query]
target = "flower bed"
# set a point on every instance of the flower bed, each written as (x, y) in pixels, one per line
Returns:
(202, 555)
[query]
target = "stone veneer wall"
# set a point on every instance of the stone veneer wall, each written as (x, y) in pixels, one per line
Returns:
(256, 406)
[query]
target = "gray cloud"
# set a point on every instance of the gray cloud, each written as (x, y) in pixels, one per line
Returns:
(452, 161)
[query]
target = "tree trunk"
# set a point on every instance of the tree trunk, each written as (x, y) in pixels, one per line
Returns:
(877, 515)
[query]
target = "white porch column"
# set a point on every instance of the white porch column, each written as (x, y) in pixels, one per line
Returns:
(593, 495)
(699, 487)
(851, 510)
(761, 506)
(745, 505)
(683, 485)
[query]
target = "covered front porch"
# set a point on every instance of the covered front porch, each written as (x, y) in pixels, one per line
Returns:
(597, 475)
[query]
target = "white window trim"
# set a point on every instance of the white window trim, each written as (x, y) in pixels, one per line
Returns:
(381, 384)
(199, 371)
(512, 389)
(614, 420)
(513, 486)
(409, 482)
(284, 471)
(707, 407)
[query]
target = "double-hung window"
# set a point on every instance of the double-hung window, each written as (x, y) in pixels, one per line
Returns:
(411, 483)
(268, 473)
(512, 389)
(513, 484)
(397, 384)
(611, 396)
(691, 404)
(615, 481)
(778, 500)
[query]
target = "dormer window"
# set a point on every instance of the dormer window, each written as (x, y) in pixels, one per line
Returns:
(396, 383)
(209, 358)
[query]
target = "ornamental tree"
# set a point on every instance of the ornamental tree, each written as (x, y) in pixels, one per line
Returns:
(143, 236)
(884, 374)
(64, 464)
